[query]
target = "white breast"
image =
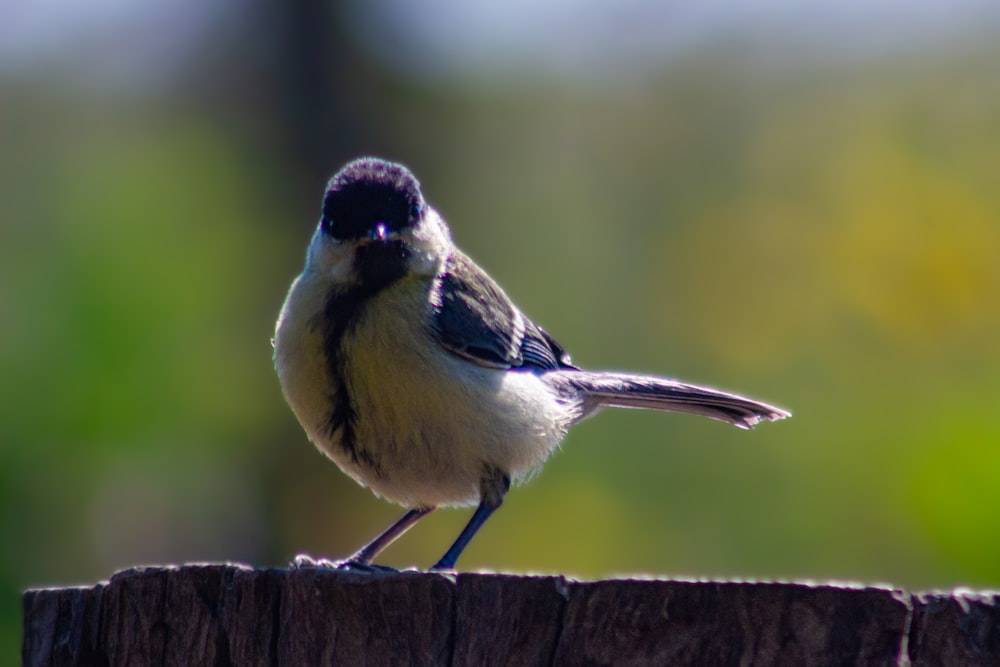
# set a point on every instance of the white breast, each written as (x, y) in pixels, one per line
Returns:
(433, 422)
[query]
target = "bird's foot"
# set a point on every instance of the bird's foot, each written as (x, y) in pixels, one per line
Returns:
(305, 561)
(443, 566)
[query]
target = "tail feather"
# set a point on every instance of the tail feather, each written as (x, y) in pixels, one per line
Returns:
(622, 390)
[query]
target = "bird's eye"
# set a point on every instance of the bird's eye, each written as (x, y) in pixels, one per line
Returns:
(327, 224)
(416, 210)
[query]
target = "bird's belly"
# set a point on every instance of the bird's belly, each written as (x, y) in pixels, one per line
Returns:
(428, 438)
(425, 426)
(429, 425)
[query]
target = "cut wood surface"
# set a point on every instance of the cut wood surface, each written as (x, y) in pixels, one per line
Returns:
(231, 614)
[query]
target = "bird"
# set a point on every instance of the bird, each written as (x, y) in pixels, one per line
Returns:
(409, 366)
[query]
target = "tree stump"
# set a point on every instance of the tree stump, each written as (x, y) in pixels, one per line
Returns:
(230, 614)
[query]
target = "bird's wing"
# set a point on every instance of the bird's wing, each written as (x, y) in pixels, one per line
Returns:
(475, 320)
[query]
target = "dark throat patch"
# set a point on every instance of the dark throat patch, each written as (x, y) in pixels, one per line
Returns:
(378, 266)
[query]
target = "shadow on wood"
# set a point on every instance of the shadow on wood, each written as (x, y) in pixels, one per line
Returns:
(230, 614)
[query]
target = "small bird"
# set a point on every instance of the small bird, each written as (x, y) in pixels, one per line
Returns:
(408, 366)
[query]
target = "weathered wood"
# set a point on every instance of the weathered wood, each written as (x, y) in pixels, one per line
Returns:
(676, 623)
(960, 627)
(230, 614)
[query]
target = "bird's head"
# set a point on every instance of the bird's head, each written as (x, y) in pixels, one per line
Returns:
(376, 227)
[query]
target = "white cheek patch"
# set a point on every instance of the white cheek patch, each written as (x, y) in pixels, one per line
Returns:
(430, 244)
(330, 258)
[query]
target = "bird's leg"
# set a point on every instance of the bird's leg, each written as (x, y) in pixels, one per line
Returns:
(362, 560)
(367, 553)
(494, 487)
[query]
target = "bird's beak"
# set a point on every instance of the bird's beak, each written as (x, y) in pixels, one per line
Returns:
(381, 233)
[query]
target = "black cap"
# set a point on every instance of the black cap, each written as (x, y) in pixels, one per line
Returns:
(369, 192)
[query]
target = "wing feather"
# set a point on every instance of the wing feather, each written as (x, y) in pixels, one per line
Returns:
(475, 320)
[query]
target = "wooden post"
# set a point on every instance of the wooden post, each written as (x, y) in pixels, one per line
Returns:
(230, 614)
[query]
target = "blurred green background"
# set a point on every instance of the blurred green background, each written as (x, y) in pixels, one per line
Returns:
(798, 203)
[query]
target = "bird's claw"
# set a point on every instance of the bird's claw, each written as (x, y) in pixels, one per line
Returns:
(305, 561)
